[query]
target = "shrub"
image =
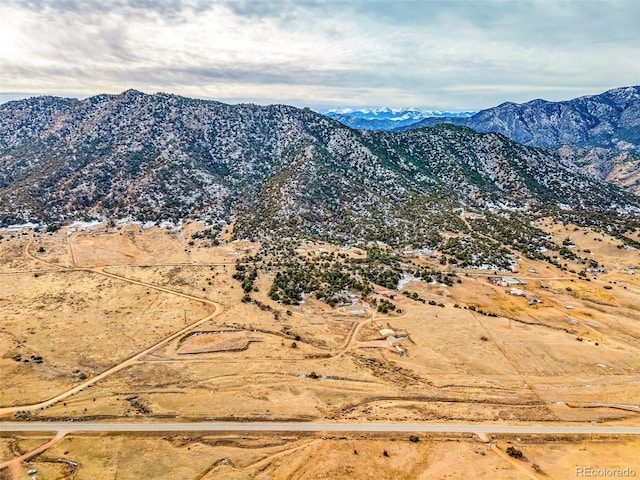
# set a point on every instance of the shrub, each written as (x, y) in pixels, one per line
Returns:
(514, 452)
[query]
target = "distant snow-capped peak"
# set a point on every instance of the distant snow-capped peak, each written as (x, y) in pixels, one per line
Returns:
(393, 114)
(386, 118)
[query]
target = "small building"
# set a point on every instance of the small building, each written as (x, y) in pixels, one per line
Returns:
(393, 339)
(516, 292)
(386, 332)
(509, 282)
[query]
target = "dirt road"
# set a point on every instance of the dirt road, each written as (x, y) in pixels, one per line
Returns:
(131, 360)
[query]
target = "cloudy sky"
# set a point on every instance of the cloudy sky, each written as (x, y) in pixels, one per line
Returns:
(452, 55)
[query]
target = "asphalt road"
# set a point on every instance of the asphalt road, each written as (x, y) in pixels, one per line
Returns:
(76, 427)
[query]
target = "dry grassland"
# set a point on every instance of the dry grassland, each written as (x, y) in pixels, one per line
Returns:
(167, 315)
(321, 456)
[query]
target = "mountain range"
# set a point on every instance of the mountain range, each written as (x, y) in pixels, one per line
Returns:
(386, 118)
(270, 170)
(608, 120)
(600, 133)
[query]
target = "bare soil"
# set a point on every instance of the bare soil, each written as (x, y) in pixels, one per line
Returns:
(325, 456)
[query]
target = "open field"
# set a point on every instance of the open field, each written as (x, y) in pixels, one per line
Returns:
(76, 323)
(321, 455)
(147, 324)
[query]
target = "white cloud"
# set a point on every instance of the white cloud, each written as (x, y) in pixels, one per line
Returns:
(447, 55)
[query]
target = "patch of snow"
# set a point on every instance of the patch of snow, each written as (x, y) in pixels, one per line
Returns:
(22, 226)
(406, 278)
(86, 225)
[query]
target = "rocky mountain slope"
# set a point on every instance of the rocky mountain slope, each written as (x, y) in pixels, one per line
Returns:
(602, 131)
(274, 169)
(620, 168)
(608, 120)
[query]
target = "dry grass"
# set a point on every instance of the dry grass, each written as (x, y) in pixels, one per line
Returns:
(527, 364)
(326, 456)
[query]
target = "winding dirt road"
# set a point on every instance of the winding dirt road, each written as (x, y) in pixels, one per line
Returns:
(129, 361)
(14, 464)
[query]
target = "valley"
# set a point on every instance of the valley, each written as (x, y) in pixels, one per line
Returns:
(119, 323)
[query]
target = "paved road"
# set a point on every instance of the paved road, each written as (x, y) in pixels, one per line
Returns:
(74, 427)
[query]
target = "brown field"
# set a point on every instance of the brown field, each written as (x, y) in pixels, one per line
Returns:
(320, 456)
(132, 323)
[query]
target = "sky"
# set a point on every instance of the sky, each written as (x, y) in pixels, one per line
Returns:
(439, 55)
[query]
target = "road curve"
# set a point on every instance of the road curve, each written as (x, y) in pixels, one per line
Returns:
(116, 368)
(127, 362)
(78, 427)
(14, 465)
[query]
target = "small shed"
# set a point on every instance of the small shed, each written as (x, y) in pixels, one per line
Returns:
(393, 339)
(509, 282)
